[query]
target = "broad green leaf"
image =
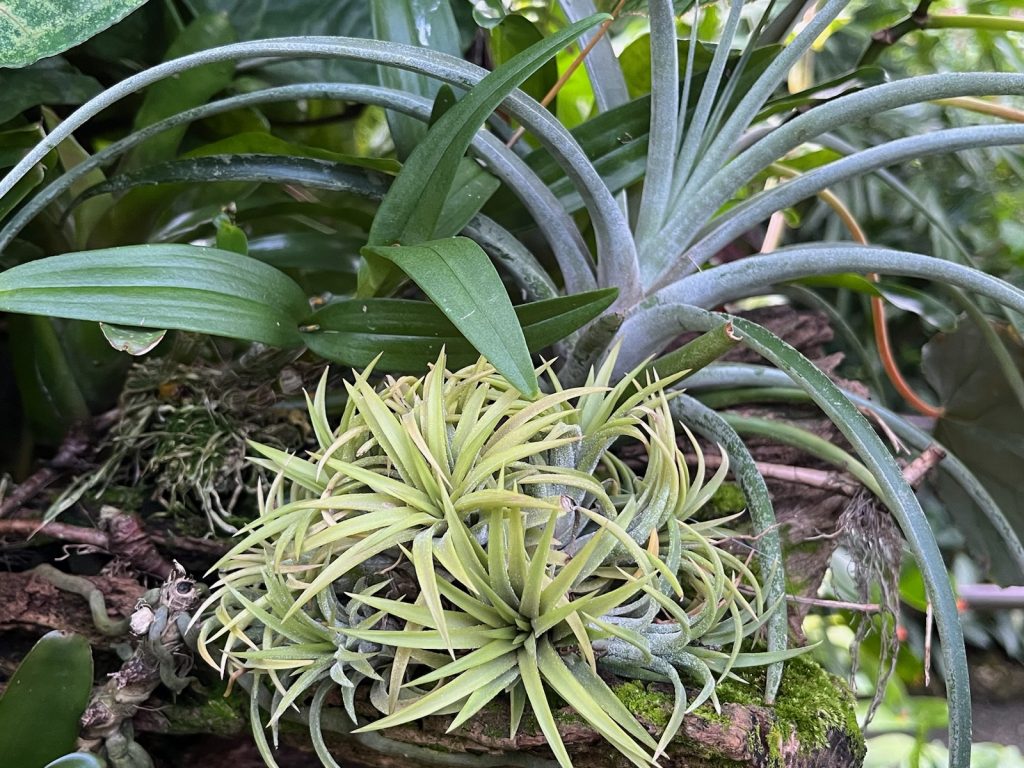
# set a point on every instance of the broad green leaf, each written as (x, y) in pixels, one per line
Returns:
(134, 341)
(410, 212)
(262, 143)
(71, 153)
(34, 29)
(44, 699)
(15, 142)
(459, 278)
(846, 280)
(443, 101)
(514, 35)
(230, 236)
(18, 192)
(184, 287)
(188, 89)
(52, 82)
(428, 24)
(50, 395)
(260, 20)
(98, 370)
(269, 169)
(984, 427)
(472, 188)
(933, 311)
(410, 334)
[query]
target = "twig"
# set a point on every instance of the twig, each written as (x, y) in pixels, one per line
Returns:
(60, 531)
(838, 604)
(889, 36)
(172, 541)
(915, 471)
(839, 482)
(842, 605)
(129, 540)
(75, 444)
(990, 596)
(124, 536)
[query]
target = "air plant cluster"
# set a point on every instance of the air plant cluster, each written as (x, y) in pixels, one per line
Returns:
(451, 541)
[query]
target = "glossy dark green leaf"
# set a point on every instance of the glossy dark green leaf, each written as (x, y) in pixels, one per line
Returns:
(310, 251)
(459, 278)
(44, 699)
(133, 341)
(846, 280)
(513, 35)
(25, 185)
(428, 24)
(230, 236)
(97, 369)
(34, 29)
(70, 153)
(410, 212)
(184, 287)
(50, 82)
(50, 395)
(260, 143)
(984, 428)
(269, 169)
(443, 101)
(410, 334)
(15, 142)
(319, 262)
(929, 308)
(472, 189)
(863, 77)
(260, 20)
(188, 89)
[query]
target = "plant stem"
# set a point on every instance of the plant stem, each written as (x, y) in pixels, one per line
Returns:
(884, 38)
(881, 329)
(975, 21)
(983, 107)
(814, 478)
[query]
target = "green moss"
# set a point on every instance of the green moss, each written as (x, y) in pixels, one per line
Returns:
(217, 715)
(728, 500)
(810, 705)
(654, 707)
(814, 703)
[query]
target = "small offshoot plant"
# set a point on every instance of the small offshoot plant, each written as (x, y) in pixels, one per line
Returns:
(451, 541)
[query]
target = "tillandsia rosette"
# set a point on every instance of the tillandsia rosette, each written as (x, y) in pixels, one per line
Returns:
(451, 541)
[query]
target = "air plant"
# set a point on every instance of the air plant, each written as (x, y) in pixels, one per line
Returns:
(700, 144)
(450, 541)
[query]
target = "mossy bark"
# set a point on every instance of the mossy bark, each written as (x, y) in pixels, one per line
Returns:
(813, 724)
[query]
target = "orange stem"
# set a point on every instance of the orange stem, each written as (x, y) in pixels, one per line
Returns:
(560, 83)
(889, 360)
(882, 341)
